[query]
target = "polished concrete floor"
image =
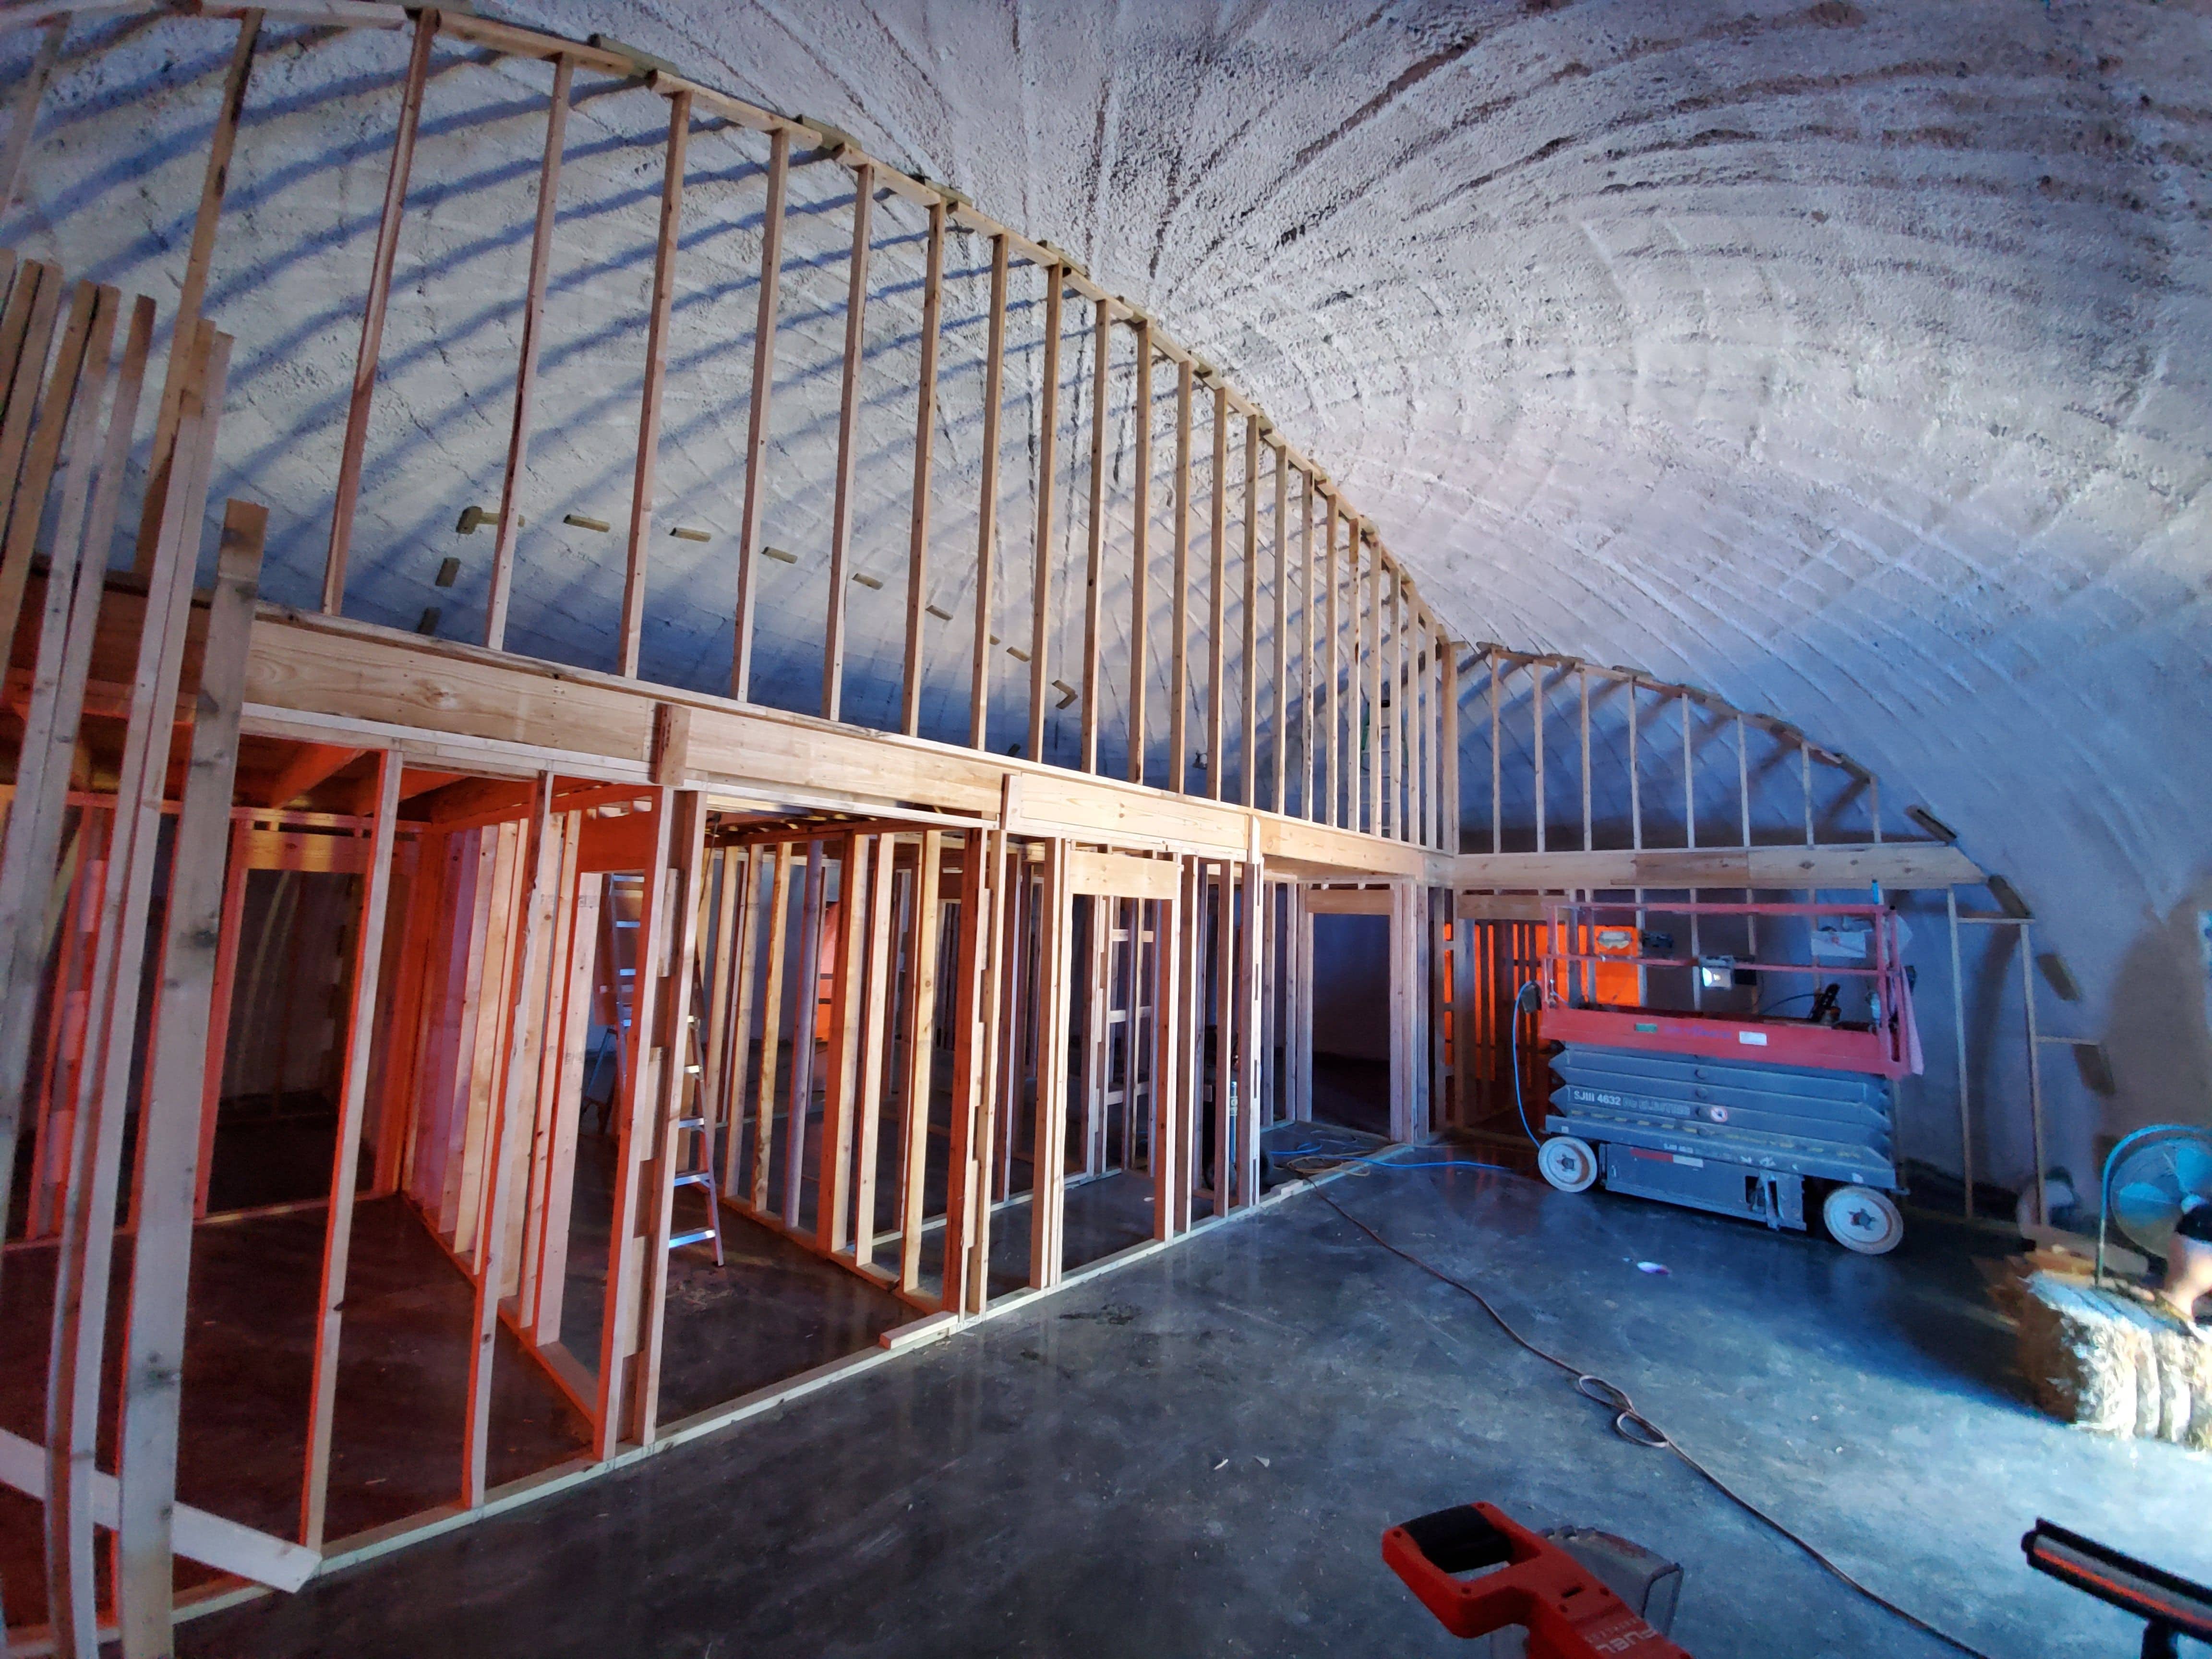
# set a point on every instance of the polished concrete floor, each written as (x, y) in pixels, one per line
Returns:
(1196, 1456)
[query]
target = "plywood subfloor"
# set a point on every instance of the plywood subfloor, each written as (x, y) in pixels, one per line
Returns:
(249, 1359)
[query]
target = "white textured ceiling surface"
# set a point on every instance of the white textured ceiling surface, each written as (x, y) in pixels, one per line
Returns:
(1853, 360)
(1848, 360)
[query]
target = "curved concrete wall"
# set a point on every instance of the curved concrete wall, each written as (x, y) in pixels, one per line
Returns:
(1849, 360)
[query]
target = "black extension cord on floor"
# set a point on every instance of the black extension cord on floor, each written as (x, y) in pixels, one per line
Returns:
(1637, 1429)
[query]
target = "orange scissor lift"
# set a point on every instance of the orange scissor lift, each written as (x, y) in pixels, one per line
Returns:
(1740, 1113)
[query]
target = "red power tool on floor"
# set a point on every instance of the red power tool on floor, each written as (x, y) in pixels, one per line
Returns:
(1541, 1584)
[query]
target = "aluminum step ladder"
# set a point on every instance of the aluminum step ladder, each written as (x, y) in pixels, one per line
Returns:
(621, 918)
(691, 1128)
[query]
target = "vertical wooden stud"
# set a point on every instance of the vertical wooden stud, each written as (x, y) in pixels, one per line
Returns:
(554, 1128)
(2034, 1075)
(1250, 671)
(849, 424)
(1582, 677)
(1217, 592)
(1102, 343)
(656, 377)
(727, 867)
(833, 1206)
(1959, 1051)
(1221, 1003)
(38, 808)
(1281, 676)
(1742, 785)
(1047, 463)
(1497, 757)
(1371, 651)
(85, 1256)
(1448, 648)
(1179, 626)
(922, 1045)
(91, 320)
(925, 448)
(621, 1413)
(777, 889)
(1308, 807)
(1338, 795)
(348, 494)
(33, 307)
(525, 1015)
(1140, 542)
(153, 1371)
(986, 509)
(1187, 1157)
(215, 183)
(968, 1218)
(1048, 1157)
(883, 946)
(968, 1157)
(1170, 1171)
(1539, 696)
(771, 281)
(525, 373)
(799, 1101)
(685, 818)
(1251, 976)
(1301, 1027)
(758, 884)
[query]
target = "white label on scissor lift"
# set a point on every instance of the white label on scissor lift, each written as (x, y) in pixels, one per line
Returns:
(1757, 1039)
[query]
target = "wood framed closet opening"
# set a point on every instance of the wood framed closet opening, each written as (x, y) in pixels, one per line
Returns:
(1356, 974)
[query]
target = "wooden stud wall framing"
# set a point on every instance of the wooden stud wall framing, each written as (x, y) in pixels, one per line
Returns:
(526, 378)
(925, 440)
(1040, 575)
(1140, 567)
(168, 1160)
(1102, 352)
(1264, 704)
(1249, 744)
(848, 420)
(748, 543)
(1217, 591)
(350, 454)
(1179, 577)
(656, 375)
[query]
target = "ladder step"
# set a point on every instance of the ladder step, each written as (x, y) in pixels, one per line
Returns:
(696, 1236)
(693, 1178)
(690, 1123)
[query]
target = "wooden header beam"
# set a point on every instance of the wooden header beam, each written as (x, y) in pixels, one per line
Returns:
(332, 679)
(1894, 864)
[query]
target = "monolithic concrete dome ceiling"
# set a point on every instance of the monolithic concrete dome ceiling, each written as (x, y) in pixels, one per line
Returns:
(1848, 360)
(1853, 361)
